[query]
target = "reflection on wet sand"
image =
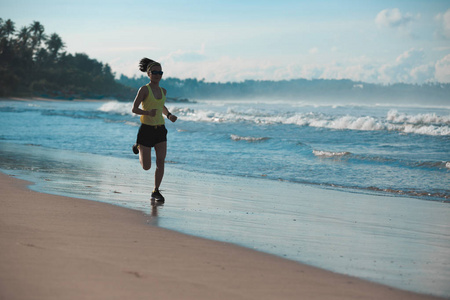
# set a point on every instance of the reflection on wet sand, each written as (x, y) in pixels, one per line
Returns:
(155, 207)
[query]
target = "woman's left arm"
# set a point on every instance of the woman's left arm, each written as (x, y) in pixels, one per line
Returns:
(171, 117)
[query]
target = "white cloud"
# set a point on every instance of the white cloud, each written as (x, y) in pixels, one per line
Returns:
(223, 69)
(443, 48)
(443, 69)
(423, 73)
(185, 56)
(444, 22)
(393, 18)
(313, 50)
(121, 49)
(410, 57)
(409, 67)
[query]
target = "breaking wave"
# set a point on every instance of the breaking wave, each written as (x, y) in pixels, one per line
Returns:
(248, 138)
(427, 119)
(424, 124)
(121, 108)
(436, 165)
(320, 153)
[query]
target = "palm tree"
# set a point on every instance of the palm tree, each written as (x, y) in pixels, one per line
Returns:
(54, 44)
(9, 28)
(24, 55)
(23, 37)
(6, 48)
(37, 29)
(2, 30)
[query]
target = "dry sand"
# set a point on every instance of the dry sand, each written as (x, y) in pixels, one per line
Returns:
(55, 247)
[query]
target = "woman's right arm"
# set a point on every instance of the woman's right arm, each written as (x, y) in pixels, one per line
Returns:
(137, 102)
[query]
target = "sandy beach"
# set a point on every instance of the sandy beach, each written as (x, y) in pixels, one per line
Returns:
(56, 247)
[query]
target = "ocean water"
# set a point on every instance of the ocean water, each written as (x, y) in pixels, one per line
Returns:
(393, 150)
(356, 189)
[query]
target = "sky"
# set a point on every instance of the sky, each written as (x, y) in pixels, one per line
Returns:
(376, 41)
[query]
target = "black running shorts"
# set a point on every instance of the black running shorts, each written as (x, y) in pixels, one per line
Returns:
(149, 135)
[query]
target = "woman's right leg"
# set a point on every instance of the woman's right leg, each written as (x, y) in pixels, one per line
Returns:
(145, 157)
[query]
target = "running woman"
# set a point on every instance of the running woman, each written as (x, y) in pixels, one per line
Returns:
(152, 133)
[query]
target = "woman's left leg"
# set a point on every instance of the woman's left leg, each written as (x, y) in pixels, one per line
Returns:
(160, 151)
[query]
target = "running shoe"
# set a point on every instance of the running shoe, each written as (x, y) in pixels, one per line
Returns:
(135, 149)
(156, 195)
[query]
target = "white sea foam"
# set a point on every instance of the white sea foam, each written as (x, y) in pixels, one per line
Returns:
(424, 129)
(349, 122)
(424, 124)
(132, 123)
(320, 153)
(123, 108)
(430, 119)
(248, 138)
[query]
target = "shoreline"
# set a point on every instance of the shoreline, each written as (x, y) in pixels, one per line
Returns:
(56, 247)
(169, 100)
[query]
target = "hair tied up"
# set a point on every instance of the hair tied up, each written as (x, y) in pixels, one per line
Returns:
(145, 64)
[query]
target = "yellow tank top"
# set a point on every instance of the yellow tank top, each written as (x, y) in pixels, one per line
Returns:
(149, 103)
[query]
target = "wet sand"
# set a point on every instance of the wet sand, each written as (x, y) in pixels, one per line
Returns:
(57, 247)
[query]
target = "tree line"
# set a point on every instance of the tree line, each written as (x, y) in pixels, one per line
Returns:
(33, 63)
